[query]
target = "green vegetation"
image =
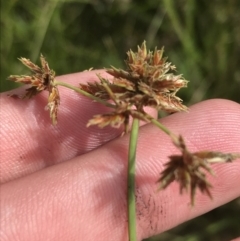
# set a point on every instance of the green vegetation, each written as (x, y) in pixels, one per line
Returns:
(202, 38)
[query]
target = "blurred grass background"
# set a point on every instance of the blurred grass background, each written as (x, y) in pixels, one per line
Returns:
(202, 38)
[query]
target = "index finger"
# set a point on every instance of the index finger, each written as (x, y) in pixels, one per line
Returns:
(29, 142)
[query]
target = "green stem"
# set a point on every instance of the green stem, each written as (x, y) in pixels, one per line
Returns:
(84, 93)
(160, 126)
(131, 181)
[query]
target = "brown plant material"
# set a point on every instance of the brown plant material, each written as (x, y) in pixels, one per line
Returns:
(42, 79)
(149, 80)
(122, 111)
(189, 169)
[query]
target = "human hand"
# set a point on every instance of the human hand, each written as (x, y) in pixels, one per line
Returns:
(61, 183)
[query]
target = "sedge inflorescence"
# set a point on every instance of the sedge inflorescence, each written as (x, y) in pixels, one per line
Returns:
(41, 79)
(189, 169)
(148, 80)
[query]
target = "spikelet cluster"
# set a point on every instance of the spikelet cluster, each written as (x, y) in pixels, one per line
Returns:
(148, 80)
(189, 169)
(41, 79)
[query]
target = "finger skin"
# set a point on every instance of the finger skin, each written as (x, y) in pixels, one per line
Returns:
(29, 142)
(85, 198)
(27, 133)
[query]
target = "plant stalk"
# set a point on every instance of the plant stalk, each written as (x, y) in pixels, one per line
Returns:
(131, 181)
(162, 127)
(84, 93)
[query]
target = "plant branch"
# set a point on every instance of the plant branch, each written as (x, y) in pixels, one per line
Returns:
(162, 127)
(83, 93)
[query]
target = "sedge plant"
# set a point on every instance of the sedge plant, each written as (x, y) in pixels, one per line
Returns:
(149, 80)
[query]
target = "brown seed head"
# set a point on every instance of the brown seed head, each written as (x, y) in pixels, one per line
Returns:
(149, 80)
(41, 79)
(189, 169)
